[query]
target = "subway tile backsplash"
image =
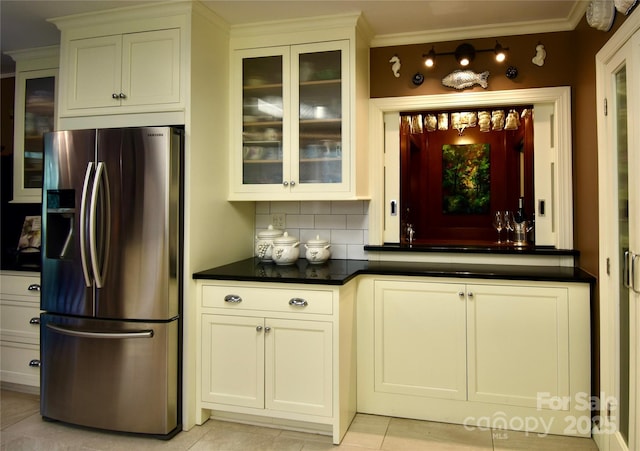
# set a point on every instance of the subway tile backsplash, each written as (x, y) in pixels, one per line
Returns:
(343, 223)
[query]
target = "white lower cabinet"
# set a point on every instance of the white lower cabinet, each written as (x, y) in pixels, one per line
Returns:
(270, 363)
(403, 322)
(499, 354)
(281, 356)
(20, 328)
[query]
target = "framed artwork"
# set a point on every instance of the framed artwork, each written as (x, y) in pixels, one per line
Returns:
(466, 185)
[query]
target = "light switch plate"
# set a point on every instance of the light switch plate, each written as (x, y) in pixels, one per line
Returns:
(278, 221)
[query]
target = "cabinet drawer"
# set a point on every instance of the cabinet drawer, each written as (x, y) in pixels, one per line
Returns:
(14, 364)
(15, 325)
(19, 285)
(273, 299)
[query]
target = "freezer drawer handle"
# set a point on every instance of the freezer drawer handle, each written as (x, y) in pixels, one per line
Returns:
(84, 334)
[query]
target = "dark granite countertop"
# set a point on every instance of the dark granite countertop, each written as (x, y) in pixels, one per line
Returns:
(504, 249)
(339, 272)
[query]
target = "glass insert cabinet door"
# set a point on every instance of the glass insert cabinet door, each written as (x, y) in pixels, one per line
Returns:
(319, 102)
(294, 101)
(34, 116)
(264, 110)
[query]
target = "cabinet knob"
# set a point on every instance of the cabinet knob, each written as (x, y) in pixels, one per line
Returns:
(267, 330)
(233, 298)
(35, 363)
(35, 320)
(298, 302)
(293, 183)
(285, 183)
(258, 328)
(461, 294)
(122, 96)
(114, 96)
(34, 287)
(470, 294)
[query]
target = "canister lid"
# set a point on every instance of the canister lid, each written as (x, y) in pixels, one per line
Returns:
(285, 239)
(317, 242)
(269, 233)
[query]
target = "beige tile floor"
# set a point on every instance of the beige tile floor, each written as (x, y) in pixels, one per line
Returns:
(23, 429)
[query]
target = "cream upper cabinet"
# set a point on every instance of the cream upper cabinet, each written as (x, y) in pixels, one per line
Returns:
(128, 61)
(34, 115)
(129, 71)
(296, 118)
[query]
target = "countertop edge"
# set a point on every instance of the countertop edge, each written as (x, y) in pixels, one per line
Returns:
(238, 272)
(503, 250)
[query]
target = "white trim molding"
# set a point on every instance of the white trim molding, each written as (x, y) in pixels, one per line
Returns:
(560, 155)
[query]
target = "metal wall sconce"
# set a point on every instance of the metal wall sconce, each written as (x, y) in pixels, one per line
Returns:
(465, 54)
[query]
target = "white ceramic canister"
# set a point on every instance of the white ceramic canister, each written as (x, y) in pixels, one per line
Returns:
(264, 243)
(317, 250)
(285, 250)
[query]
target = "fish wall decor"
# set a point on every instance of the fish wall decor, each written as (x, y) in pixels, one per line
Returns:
(462, 79)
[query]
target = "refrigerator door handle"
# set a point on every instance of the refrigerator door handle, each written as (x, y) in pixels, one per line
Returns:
(83, 225)
(85, 334)
(100, 183)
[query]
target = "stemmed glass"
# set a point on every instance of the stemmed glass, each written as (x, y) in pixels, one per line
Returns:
(507, 218)
(498, 223)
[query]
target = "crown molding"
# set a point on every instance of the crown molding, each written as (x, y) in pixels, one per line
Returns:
(484, 31)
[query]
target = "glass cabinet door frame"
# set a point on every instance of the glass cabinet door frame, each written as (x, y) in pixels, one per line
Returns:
(237, 119)
(289, 186)
(21, 194)
(296, 51)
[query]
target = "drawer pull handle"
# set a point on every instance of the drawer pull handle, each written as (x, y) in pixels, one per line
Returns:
(233, 298)
(298, 302)
(35, 320)
(35, 363)
(34, 287)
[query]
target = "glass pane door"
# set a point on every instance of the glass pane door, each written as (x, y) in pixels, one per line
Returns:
(320, 139)
(38, 120)
(262, 116)
(620, 123)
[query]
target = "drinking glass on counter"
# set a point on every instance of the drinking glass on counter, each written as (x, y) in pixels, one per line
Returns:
(498, 223)
(508, 219)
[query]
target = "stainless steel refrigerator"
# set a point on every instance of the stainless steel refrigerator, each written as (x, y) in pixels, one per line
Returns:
(111, 279)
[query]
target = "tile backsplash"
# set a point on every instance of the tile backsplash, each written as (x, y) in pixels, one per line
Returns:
(344, 224)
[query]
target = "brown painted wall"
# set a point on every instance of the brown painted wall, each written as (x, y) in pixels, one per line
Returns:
(570, 62)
